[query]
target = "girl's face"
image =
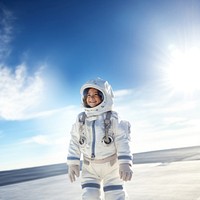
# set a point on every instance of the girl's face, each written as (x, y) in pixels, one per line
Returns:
(93, 99)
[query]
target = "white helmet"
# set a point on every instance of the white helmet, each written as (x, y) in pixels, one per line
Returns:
(107, 100)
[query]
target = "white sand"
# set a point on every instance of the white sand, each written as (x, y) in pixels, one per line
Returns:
(173, 181)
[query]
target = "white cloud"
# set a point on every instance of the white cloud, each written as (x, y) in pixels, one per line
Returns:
(6, 28)
(52, 127)
(121, 93)
(38, 139)
(19, 92)
(159, 118)
(52, 140)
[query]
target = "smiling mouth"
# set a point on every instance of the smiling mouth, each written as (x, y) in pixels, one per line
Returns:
(93, 103)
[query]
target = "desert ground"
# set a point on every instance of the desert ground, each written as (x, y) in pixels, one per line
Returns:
(176, 180)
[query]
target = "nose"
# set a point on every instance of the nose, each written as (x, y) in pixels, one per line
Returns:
(92, 98)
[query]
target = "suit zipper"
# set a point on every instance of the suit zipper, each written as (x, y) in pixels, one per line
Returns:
(93, 140)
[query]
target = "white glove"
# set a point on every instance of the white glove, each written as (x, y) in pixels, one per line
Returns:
(125, 172)
(72, 171)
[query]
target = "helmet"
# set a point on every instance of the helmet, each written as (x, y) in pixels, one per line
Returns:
(105, 92)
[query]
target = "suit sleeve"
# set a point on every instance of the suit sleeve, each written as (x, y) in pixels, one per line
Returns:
(74, 153)
(122, 142)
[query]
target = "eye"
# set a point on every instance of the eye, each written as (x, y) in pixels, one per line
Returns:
(94, 95)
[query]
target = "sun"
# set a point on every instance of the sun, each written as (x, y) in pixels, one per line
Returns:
(183, 72)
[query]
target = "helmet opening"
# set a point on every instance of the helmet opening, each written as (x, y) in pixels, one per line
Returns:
(85, 93)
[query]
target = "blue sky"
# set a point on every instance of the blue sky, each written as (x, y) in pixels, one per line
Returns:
(148, 50)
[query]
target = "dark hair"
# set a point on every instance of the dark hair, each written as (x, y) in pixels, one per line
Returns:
(85, 92)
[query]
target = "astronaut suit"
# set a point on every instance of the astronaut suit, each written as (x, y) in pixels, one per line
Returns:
(107, 158)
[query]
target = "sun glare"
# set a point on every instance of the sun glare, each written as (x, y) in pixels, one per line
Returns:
(183, 71)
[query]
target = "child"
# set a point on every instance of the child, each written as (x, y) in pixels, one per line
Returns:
(103, 140)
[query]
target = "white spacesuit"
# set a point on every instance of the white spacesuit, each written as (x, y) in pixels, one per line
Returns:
(103, 140)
